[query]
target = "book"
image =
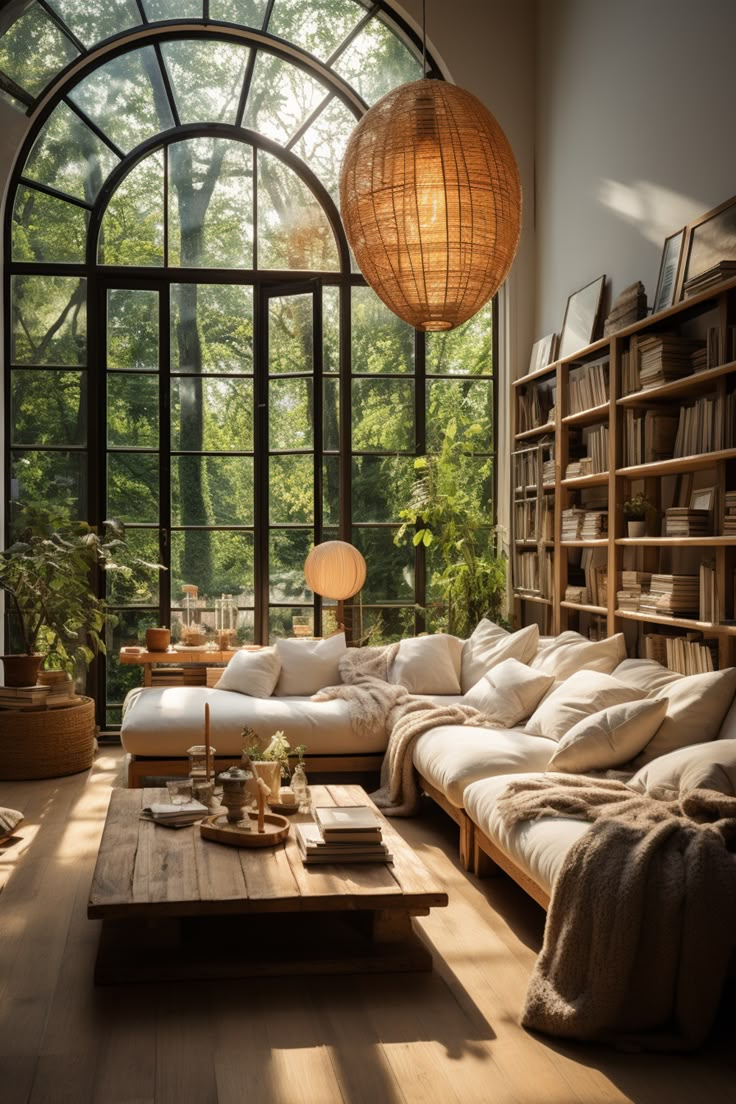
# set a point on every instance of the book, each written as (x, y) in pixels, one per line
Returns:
(315, 849)
(346, 818)
(26, 693)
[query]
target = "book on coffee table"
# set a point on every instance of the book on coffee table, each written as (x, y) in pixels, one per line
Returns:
(348, 823)
(315, 849)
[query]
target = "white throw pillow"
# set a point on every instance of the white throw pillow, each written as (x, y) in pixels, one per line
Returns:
(509, 692)
(646, 675)
(252, 673)
(710, 766)
(309, 665)
(696, 706)
(570, 652)
(584, 693)
(429, 664)
(490, 645)
(609, 738)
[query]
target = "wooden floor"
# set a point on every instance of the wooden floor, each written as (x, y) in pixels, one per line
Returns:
(450, 1037)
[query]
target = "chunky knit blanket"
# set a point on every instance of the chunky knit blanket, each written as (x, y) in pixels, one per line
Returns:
(642, 921)
(376, 704)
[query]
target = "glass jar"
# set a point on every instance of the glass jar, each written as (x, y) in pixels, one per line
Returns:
(198, 762)
(226, 621)
(300, 786)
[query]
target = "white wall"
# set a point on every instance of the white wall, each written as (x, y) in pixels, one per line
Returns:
(635, 136)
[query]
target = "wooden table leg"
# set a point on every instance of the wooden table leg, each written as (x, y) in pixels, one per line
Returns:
(391, 926)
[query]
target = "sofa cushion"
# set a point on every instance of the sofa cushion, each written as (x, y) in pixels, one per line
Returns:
(309, 665)
(508, 693)
(609, 738)
(490, 645)
(570, 652)
(696, 706)
(710, 766)
(252, 673)
(450, 757)
(582, 694)
(646, 675)
(429, 664)
(165, 721)
(538, 847)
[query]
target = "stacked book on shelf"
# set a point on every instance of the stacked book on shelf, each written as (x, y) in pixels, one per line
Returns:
(649, 436)
(531, 464)
(534, 574)
(534, 519)
(724, 270)
(681, 521)
(588, 386)
(633, 585)
(597, 447)
(630, 305)
(671, 595)
(595, 525)
(536, 407)
(548, 469)
(342, 834)
(729, 516)
(572, 523)
(687, 654)
(577, 595)
(709, 602)
(594, 564)
(661, 358)
(37, 697)
(577, 468)
(706, 425)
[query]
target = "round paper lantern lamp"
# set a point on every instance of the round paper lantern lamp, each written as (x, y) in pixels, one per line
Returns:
(431, 201)
(335, 570)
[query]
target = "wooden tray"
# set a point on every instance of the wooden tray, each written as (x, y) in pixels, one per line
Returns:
(216, 828)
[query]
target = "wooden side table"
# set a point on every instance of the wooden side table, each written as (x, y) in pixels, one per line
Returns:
(172, 658)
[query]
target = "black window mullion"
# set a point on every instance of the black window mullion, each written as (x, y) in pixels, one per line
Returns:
(164, 444)
(167, 85)
(166, 206)
(96, 130)
(247, 81)
(54, 192)
(345, 511)
(420, 429)
(96, 417)
(62, 26)
(141, 11)
(348, 40)
(309, 120)
(317, 431)
(260, 467)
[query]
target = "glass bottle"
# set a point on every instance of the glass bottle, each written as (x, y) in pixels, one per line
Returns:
(300, 786)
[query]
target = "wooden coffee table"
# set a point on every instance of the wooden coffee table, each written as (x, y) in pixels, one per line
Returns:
(176, 906)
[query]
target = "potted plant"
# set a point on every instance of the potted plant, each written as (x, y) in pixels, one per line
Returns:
(47, 575)
(270, 761)
(636, 510)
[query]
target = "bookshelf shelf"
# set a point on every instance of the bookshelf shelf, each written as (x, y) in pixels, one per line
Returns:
(710, 627)
(599, 542)
(585, 417)
(677, 464)
(690, 385)
(599, 479)
(537, 431)
(600, 611)
(675, 542)
(531, 377)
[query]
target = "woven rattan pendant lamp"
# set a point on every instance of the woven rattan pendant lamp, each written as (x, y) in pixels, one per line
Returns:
(431, 202)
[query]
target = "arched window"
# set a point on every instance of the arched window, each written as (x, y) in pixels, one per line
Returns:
(191, 348)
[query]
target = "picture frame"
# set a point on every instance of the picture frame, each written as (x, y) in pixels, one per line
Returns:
(703, 498)
(669, 271)
(582, 318)
(709, 239)
(543, 352)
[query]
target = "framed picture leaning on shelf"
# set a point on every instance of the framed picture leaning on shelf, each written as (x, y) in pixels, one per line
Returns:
(582, 316)
(543, 352)
(710, 249)
(669, 268)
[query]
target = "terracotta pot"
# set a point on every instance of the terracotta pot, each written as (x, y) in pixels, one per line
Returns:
(21, 670)
(157, 640)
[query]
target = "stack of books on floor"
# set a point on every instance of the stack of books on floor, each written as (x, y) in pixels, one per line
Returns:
(724, 270)
(572, 523)
(672, 595)
(729, 517)
(681, 521)
(342, 834)
(37, 697)
(175, 816)
(665, 357)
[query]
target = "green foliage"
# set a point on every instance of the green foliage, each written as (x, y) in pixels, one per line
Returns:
(637, 507)
(277, 750)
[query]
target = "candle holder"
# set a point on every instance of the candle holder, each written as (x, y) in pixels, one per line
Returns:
(234, 794)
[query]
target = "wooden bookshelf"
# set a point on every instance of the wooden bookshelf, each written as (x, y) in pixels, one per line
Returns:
(665, 476)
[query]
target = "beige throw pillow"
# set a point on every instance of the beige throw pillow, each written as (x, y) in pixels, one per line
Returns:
(646, 675)
(509, 692)
(429, 664)
(570, 652)
(710, 766)
(584, 693)
(252, 673)
(309, 665)
(490, 645)
(610, 737)
(696, 706)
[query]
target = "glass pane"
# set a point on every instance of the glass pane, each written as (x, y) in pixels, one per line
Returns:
(49, 320)
(172, 9)
(132, 329)
(376, 61)
(140, 588)
(321, 28)
(218, 563)
(132, 411)
(47, 229)
(331, 414)
(290, 414)
(133, 487)
(385, 624)
(68, 156)
(465, 351)
(225, 407)
(383, 415)
(211, 328)
(281, 620)
(330, 329)
(291, 489)
(281, 97)
(293, 231)
(323, 145)
(248, 13)
(288, 549)
(96, 20)
(207, 78)
(129, 629)
(381, 487)
(392, 579)
(466, 405)
(212, 490)
(48, 408)
(33, 50)
(381, 341)
(126, 98)
(132, 231)
(290, 344)
(211, 204)
(51, 478)
(330, 492)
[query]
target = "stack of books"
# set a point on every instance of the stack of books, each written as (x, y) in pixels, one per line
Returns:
(681, 521)
(594, 565)
(24, 697)
(630, 306)
(709, 602)
(672, 595)
(572, 523)
(342, 834)
(650, 436)
(595, 525)
(633, 585)
(175, 816)
(665, 357)
(577, 595)
(724, 270)
(729, 517)
(706, 425)
(588, 386)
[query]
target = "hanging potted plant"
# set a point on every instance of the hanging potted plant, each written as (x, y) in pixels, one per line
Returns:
(636, 510)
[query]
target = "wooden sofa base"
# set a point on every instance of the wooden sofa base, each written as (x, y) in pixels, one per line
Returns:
(142, 767)
(460, 817)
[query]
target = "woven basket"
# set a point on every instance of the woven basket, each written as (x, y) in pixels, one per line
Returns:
(47, 743)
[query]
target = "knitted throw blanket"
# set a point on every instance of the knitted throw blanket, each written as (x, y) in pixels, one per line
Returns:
(642, 921)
